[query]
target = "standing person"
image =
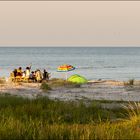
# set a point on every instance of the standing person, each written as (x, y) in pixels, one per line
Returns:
(15, 72)
(27, 72)
(45, 75)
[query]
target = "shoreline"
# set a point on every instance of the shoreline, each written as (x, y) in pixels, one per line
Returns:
(110, 90)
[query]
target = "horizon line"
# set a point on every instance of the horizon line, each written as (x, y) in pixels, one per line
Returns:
(65, 46)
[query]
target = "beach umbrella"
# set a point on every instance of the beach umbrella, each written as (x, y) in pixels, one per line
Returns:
(77, 79)
(65, 68)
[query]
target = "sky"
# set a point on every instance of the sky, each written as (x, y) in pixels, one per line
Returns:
(69, 23)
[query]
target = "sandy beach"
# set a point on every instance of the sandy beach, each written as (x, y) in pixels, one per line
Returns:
(93, 90)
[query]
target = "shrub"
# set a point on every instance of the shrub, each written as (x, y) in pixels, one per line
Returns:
(62, 83)
(129, 83)
(45, 86)
(2, 80)
(133, 110)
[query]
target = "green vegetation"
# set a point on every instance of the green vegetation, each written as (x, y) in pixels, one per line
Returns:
(55, 83)
(2, 80)
(129, 83)
(45, 87)
(46, 119)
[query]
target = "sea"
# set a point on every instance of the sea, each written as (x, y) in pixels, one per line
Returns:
(94, 63)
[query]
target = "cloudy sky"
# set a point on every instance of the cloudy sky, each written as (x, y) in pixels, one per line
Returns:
(69, 23)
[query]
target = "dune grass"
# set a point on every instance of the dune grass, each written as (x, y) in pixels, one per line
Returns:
(55, 83)
(129, 82)
(2, 80)
(45, 87)
(46, 119)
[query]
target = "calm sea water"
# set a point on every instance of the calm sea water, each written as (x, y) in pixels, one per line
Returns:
(93, 63)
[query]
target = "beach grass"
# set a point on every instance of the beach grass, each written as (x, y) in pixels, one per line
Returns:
(43, 118)
(129, 82)
(45, 87)
(2, 80)
(56, 82)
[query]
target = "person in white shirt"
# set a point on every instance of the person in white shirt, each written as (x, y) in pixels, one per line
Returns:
(27, 72)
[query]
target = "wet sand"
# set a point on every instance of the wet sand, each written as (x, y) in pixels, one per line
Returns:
(94, 90)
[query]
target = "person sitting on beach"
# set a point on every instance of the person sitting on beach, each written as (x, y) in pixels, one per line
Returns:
(19, 71)
(38, 75)
(12, 76)
(23, 74)
(32, 76)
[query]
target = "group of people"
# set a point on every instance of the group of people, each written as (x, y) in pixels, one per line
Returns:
(35, 76)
